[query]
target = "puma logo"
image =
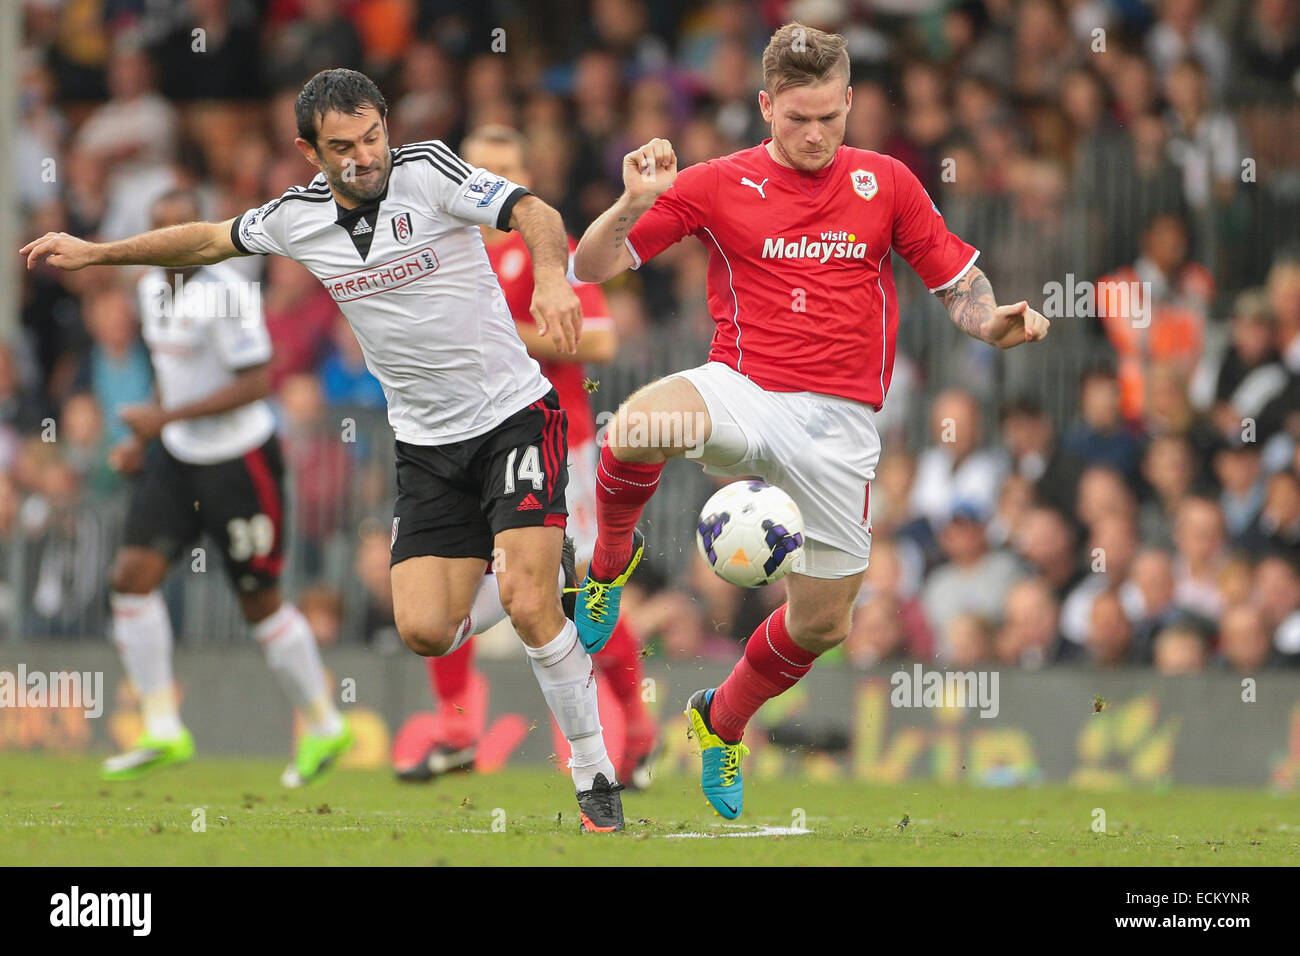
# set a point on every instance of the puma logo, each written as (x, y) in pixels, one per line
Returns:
(746, 181)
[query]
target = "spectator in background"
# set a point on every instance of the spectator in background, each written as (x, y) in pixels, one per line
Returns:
(1103, 493)
(1015, 500)
(323, 39)
(954, 467)
(1109, 638)
(117, 370)
(81, 439)
(322, 606)
(1283, 291)
(1148, 597)
(1268, 64)
(1169, 469)
(1277, 595)
(1237, 468)
(1169, 410)
(1111, 547)
(300, 317)
(1046, 542)
(968, 642)
(1277, 528)
(1182, 32)
(1203, 142)
(370, 565)
(319, 465)
(876, 635)
(1199, 538)
(1155, 310)
(1029, 637)
(1028, 437)
(973, 579)
(895, 579)
(1180, 651)
(1239, 382)
(1243, 642)
(130, 141)
(226, 65)
(344, 376)
(1099, 436)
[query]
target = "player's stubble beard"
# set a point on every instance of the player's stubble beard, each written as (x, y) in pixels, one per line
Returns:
(355, 184)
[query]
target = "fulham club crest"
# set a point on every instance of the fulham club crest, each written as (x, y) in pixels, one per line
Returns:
(402, 227)
(864, 183)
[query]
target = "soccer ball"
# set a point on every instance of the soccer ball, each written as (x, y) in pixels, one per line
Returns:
(751, 533)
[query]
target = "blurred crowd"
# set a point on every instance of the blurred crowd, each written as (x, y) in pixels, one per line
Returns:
(1143, 508)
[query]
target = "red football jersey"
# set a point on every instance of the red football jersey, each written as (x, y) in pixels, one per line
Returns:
(514, 268)
(799, 281)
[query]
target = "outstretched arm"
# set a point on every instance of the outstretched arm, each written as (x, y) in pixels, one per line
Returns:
(647, 172)
(555, 305)
(190, 244)
(973, 309)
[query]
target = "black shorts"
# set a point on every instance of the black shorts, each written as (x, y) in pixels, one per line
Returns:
(452, 500)
(239, 503)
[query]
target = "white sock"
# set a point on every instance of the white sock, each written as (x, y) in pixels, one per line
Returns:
(142, 632)
(485, 613)
(568, 681)
(294, 658)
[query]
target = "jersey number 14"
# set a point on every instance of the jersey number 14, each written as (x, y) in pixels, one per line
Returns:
(529, 469)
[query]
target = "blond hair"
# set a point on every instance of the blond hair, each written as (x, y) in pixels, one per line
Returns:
(799, 55)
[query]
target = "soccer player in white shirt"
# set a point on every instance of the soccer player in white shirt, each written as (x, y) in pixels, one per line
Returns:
(391, 233)
(209, 461)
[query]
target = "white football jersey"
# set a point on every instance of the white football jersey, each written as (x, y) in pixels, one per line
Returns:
(410, 273)
(200, 332)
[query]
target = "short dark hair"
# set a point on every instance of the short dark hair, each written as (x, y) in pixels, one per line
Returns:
(335, 91)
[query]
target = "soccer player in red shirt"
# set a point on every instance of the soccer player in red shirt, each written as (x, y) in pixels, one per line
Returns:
(800, 230)
(461, 689)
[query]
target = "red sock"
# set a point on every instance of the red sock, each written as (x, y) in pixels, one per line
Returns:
(620, 670)
(449, 675)
(461, 696)
(773, 663)
(622, 489)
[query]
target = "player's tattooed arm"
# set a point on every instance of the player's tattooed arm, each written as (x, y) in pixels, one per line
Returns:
(555, 306)
(190, 244)
(973, 309)
(648, 172)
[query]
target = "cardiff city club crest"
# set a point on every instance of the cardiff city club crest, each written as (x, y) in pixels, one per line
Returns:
(402, 227)
(864, 183)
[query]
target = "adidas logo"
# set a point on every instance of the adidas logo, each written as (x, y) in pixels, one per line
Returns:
(529, 504)
(361, 228)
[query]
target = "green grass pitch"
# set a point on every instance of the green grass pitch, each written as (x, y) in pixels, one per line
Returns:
(54, 811)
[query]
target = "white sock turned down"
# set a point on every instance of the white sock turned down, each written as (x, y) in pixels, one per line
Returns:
(486, 612)
(294, 658)
(142, 632)
(568, 681)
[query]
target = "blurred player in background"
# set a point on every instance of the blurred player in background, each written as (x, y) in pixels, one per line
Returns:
(480, 436)
(217, 469)
(800, 230)
(460, 688)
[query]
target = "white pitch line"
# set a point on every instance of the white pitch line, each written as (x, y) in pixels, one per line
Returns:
(760, 832)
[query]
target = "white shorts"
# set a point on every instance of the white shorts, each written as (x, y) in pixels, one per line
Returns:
(821, 450)
(580, 499)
